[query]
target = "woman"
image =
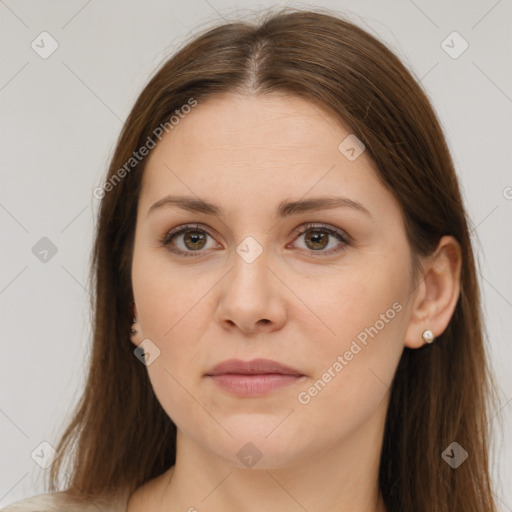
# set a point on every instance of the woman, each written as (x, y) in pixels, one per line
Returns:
(287, 315)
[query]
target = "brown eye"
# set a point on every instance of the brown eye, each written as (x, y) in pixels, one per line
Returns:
(194, 240)
(317, 240)
(191, 240)
(186, 240)
(318, 237)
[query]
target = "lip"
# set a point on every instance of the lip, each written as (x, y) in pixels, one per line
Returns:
(253, 367)
(253, 378)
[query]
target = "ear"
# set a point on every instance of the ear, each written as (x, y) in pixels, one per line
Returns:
(437, 294)
(135, 337)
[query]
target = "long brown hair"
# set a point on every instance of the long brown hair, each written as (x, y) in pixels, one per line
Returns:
(120, 436)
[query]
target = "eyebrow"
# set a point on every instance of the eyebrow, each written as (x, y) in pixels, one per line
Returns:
(284, 209)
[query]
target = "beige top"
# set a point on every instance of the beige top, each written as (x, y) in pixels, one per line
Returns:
(59, 502)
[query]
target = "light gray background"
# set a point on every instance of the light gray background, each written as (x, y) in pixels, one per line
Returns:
(60, 118)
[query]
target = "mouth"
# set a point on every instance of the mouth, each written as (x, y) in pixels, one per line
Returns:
(253, 378)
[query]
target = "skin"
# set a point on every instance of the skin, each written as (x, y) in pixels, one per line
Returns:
(246, 154)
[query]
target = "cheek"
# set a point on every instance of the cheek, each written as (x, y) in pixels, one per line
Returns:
(176, 374)
(172, 308)
(354, 370)
(164, 293)
(366, 312)
(365, 303)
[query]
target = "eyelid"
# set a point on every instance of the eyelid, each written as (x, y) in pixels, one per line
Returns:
(310, 226)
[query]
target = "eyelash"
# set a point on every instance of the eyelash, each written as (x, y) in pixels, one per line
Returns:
(340, 235)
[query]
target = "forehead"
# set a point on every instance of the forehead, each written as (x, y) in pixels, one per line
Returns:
(252, 148)
(273, 121)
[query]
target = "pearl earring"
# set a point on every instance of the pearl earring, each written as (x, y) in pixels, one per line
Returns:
(428, 336)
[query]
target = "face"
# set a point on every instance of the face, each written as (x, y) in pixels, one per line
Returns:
(322, 290)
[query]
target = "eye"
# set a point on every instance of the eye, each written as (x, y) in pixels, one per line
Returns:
(189, 240)
(316, 238)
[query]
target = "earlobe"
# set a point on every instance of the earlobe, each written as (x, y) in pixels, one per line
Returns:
(437, 295)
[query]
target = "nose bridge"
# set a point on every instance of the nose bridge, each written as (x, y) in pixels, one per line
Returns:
(250, 249)
(250, 297)
(250, 265)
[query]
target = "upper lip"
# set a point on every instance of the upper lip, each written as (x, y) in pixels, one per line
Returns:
(253, 367)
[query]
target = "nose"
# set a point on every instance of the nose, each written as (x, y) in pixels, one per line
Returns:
(252, 297)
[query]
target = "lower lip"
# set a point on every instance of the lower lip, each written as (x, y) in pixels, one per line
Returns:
(253, 385)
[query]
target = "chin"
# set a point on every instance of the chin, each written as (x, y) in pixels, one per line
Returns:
(258, 444)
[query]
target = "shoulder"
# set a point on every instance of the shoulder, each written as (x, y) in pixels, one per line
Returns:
(40, 503)
(61, 502)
